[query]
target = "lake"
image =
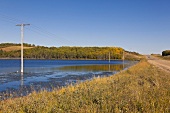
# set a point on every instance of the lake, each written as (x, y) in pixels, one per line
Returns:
(48, 74)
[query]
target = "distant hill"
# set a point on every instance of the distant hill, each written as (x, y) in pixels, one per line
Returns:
(11, 50)
(3, 45)
(14, 48)
(133, 56)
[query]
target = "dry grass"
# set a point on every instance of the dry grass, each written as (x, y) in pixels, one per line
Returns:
(161, 57)
(142, 88)
(14, 48)
(130, 56)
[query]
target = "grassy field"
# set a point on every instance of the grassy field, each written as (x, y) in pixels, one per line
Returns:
(165, 57)
(132, 56)
(161, 57)
(14, 48)
(142, 88)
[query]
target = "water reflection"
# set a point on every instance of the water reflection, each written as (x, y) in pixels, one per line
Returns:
(50, 77)
(92, 68)
(22, 79)
(61, 74)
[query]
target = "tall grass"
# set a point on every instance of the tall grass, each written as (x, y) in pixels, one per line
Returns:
(142, 88)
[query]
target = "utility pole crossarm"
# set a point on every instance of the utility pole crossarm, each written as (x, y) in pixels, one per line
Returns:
(22, 24)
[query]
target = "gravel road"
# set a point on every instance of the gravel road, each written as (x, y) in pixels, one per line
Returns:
(163, 64)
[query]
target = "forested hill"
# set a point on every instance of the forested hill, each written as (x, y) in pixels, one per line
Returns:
(65, 52)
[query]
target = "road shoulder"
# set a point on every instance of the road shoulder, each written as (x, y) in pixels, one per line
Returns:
(162, 64)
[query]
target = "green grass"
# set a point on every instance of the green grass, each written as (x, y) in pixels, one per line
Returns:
(142, 88)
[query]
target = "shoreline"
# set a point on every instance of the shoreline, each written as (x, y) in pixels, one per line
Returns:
(60, 59)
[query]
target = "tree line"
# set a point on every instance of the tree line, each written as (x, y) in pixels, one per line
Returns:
(64, 52)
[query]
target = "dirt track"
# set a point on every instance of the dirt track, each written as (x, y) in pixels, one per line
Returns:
(163, 64)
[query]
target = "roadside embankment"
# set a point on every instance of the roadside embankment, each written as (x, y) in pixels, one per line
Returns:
(160, 63)
(141, 88)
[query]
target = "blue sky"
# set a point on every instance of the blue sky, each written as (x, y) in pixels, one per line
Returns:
(135, 25)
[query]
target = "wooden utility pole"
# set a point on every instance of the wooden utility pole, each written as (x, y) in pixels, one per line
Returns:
(123, 59)
(109, 57)
(22, 40)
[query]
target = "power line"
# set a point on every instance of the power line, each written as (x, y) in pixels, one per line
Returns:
(11, 18)
(53, 37)
(35, 29)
